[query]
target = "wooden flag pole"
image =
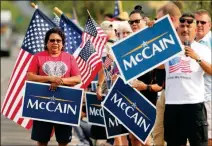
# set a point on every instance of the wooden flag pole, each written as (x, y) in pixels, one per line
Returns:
(88, 13)
(58, 11)
(34, 6)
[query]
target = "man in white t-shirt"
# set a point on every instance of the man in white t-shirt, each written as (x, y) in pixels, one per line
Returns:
(185, 114)
(203, 36)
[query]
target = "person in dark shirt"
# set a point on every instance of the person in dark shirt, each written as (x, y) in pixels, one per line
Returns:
(146, 84)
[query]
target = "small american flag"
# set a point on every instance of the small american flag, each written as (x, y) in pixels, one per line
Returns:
(117, 8)
(178, 64)
(108, 61)
(89, 63)
(95, 34)
(89, 54)
(33, 43)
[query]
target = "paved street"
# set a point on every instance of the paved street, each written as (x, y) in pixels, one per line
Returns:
(11, 133)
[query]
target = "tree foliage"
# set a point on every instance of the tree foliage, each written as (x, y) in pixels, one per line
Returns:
(98, 8)
(19, 21)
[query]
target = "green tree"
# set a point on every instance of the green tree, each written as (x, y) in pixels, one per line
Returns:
(19, 20)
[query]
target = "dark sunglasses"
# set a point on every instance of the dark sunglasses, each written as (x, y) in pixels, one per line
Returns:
(189, 21)
(57, 40)
(132, 21)
(201, 22)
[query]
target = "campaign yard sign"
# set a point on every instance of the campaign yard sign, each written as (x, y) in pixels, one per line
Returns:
(113, 126)
(129, 106)
(94, 109)
(146, 49)
(62, 106)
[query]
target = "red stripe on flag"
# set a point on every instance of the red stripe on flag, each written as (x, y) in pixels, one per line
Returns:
(93, 75)
(29, 124)
(20, 120)
(14, 99)
(17, 63)
(15, 83)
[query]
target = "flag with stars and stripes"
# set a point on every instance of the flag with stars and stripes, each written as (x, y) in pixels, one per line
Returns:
(89, 63)
(89, 60)
(72, 32)
(117, 8)
(108, 61)
(32, 43)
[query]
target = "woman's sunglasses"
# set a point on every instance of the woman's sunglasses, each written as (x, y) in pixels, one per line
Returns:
(55, 40)
(134, 21)
(189, 21)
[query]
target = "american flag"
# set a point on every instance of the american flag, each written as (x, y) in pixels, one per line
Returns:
(89, 54)
(33, 43)
(56, 20)
(108, 61)
(178, 64)
(95, 34)
(72, 32)
(117, 8)
(89, 63)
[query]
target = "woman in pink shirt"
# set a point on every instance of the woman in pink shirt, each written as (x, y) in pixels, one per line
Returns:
(56, 67)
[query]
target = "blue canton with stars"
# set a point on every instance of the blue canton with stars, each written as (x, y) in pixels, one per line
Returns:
(72, 32)
(90, 27)
(34, 38)
(56, 20)
(116, 9)
(87, 51)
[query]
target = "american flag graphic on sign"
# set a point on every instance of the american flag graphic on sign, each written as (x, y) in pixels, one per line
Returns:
(33, 43)
(178, 64)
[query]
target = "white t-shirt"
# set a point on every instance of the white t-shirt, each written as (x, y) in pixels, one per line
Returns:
(207, 41)
(184, 77)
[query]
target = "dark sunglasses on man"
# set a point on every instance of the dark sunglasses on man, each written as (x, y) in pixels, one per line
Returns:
(183, 20)
(201, 22)
(134, 21)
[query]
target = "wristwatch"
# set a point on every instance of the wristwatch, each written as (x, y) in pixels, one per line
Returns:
(199, 60)
(148, 88)
(98, 85)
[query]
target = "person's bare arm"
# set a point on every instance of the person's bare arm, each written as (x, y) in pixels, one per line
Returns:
(101, 78)
(31, 76)
(139, 85)
(71, 81)
(207, 67)
(162, 66)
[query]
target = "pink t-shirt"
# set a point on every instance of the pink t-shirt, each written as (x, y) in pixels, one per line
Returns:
(63, 66)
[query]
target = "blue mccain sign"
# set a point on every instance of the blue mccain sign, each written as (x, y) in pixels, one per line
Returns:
(129, 106)
(145, 50)
(113, 126)
(94, 109)
(62, 106)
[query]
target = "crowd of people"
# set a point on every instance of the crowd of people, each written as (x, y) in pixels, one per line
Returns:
(183, 108)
